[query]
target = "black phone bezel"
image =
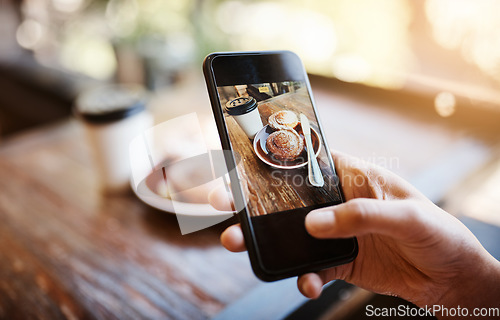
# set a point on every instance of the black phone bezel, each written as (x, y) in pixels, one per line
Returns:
(274, 72)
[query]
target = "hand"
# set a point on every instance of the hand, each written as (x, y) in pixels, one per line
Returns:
(408, 247)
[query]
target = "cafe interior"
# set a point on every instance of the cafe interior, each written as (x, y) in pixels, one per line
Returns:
(412, 86)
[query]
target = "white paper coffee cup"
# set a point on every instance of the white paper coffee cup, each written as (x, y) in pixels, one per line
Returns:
(246, 113)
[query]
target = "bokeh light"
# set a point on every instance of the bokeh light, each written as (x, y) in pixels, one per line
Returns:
(67, 6)
(277, 25)
(472, 27)
(29, 33)
(90, 55)
(356, 41)
(445, 104)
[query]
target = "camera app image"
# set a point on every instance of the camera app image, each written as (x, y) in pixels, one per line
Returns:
(274, 133)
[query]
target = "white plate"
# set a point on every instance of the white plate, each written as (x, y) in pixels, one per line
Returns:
(178, 138)
(260, 140)
(153, 199)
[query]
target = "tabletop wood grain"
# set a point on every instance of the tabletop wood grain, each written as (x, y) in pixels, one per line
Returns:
(67, 252)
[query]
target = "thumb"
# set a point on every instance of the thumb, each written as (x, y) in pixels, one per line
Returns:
(396, 218)
(220, 199)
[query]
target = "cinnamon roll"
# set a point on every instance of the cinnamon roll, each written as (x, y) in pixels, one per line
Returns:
(284, 119)
(285, 144)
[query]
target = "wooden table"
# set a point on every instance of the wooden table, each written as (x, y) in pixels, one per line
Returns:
(68, 252)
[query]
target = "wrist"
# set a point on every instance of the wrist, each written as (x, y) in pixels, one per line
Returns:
(475, 287)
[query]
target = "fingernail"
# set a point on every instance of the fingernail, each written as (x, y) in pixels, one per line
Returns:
(320, 220)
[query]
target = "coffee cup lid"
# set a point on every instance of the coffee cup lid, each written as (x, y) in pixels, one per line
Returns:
(241, 106)
(110, 103)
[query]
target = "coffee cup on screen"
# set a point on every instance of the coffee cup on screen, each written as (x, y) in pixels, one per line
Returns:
(246, 113)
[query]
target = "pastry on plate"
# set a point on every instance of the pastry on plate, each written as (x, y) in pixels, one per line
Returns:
(284, 119)
(285, 144)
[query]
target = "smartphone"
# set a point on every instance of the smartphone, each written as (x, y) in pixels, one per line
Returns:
(278, 161)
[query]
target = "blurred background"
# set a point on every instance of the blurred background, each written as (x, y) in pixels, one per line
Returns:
(410, 85)
(442, 44)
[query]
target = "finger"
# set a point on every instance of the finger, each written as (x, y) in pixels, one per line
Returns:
(310, 285)
(400, 219)
(220, 199)
(232, 239)
(342, 160)
(345, 163)
(362, 179)
(354, 176)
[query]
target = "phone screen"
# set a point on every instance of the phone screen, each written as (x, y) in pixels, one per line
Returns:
(268, 142)
(266, 109)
